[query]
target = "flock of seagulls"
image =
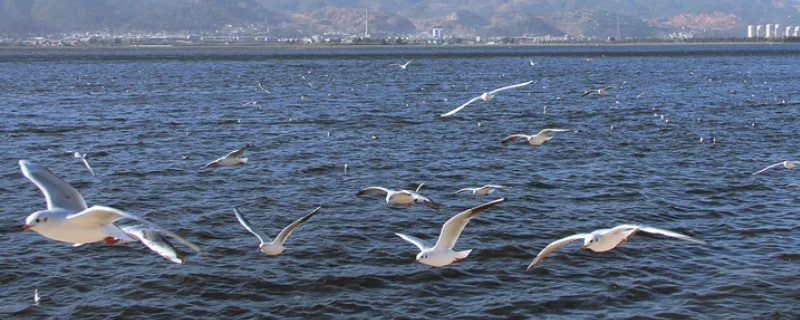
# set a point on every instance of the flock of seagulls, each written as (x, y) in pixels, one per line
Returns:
(67, 218)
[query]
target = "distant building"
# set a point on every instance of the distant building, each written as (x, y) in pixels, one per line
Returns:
(751, 31)
(787, 32)
(796, 31)
(769, 31)
(776, 32)
(437, 33)
(759, 31)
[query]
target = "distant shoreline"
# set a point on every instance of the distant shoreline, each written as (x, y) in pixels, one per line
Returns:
(354, 46)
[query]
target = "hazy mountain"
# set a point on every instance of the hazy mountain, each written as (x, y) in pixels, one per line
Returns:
(628, 18)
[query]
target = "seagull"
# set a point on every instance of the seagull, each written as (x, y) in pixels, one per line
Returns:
(601, 91)
(152, 239)
(268, 246)
(482, 191)
(67, 217)
(486, 96)
(789, 185)
(606, 239)
(402, 66)
(262, 88)
(36, 297)
(537, 139)
(442, 254)
(81, 156)
(530, 61)
(232, 158)
(404, 197)
(786, 164)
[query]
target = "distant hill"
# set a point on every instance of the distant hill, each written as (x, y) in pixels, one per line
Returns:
(597, 18)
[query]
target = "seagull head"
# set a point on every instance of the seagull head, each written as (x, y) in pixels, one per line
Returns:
(487, 96)
(422, 256)
(590, 241)
(788, 164)
(38, 219)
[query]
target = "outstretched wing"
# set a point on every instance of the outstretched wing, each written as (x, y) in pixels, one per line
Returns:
(57, 192)
(465, 190)
(153, 240)
(238, 153)
(553, 246)
(421, 244)
(369, 190)
(669, 234)
(769, 167)
(246, 224)
(281, 238)
(97, 216)
(514, 137)
(547, 132)
(510, 87)
(452, 229)
(460, 107)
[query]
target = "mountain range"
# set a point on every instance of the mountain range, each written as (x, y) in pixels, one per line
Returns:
(589, 18)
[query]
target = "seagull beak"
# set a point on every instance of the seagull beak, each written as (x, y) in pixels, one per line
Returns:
(416, 261)
(26, 227)
(585, 248)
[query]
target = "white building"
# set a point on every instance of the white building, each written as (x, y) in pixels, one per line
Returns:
(796, 31)
(751, 31)
(437, 33)
(769, 33)
(776, 33)
(787, 32)
(759, 31)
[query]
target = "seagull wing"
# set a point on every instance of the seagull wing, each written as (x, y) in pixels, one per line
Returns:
(421, 244)
(495, 186)
(510, 87)
(57, 192)
(555, 245)
(98, 216)
(514, 137)
(669, 234)
(281, 238)
(372, 190)
(769, 167)
(588, 92)
(238, 153)
(460, 107)
(451, 229)
(246, 224)
(211, 163)
(465, 190)
(86, 163)
(153, 240)
(262, 88)
(547, 132)
(420, 186)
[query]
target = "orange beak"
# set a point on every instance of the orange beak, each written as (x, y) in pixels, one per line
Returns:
(26, 227)
(584, 248)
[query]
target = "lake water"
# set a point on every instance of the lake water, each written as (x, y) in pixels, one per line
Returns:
(138, 111)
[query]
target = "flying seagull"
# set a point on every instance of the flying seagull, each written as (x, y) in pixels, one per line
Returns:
(404, 197)
(232, 158)
(486, 96)
(537, 139)
(442, 254)
(482, 191)
(601, 91)
(786, 164)
(67, 217)
(402, 66)
(606, 239)
(267, 245)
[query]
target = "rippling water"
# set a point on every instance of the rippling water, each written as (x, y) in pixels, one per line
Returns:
(136, 112)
